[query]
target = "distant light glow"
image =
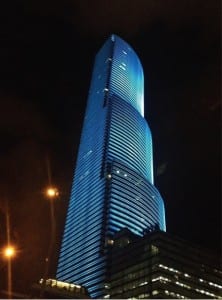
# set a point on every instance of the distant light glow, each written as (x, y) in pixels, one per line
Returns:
(9, 251)
(52, 192)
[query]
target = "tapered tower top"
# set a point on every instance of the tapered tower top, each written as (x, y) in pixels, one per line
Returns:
(126, 74)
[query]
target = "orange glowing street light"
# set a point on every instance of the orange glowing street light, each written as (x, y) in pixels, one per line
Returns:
(9, 252)
(52, 192)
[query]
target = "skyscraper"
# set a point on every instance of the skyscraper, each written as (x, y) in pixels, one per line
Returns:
(113, 183)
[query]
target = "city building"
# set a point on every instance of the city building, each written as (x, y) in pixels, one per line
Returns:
(113, 183)
(159, 265)
(54, 289)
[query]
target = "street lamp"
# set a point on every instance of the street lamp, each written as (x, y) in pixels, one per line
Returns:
(9, 252)
(51, 193)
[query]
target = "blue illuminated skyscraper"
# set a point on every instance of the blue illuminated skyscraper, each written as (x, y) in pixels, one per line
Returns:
(113, 181)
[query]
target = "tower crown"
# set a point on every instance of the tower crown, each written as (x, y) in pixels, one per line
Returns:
(126, 73)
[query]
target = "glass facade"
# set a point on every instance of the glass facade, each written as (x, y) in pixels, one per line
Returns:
(113, 182)
(161, 266)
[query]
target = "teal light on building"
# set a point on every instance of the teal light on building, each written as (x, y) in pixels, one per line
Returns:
(113, 181)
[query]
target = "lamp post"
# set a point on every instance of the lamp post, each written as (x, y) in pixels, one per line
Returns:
(8, 253)
(51, 193)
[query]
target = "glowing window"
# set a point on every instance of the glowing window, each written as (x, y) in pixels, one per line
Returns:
(154, 249)
(122, 67)
(108, 59)
(155, 292)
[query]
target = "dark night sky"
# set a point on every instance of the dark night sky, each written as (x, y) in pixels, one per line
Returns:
(47, 56)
